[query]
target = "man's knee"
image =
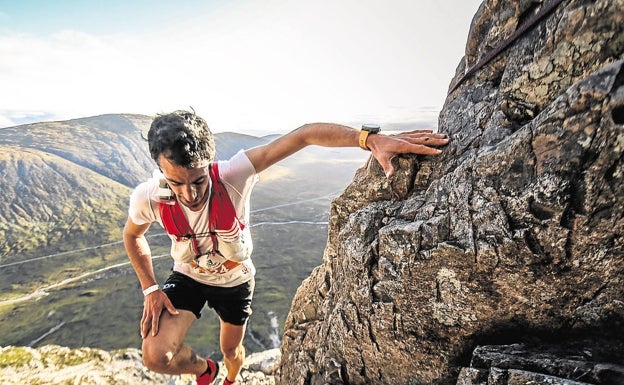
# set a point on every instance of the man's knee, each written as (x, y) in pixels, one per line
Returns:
(157, 357)
(233, 352)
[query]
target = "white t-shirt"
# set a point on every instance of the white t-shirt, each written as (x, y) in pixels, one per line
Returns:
(239, 177)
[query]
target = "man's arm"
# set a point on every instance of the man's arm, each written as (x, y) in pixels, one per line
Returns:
(140, 256)
(383, 147)
(139, 252)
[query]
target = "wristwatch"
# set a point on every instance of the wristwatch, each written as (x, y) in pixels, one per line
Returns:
(367, 129)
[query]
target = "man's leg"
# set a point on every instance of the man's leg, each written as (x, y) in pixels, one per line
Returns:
(232, 348)
(166, 352)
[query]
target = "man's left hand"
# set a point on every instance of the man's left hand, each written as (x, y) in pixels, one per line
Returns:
(420, 142)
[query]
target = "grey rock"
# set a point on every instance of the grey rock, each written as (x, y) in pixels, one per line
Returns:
(520, 377)
(266, 362)
(559, 363)
(513, 234)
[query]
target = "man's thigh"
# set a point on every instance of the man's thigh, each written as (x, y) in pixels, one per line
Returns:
(231, 335)
(172, 330)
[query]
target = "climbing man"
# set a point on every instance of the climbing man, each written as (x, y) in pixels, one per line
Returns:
(204, 207)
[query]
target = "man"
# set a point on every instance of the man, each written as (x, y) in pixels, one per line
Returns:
(210, 243)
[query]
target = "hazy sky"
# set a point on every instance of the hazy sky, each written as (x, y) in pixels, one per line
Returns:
(246, 66)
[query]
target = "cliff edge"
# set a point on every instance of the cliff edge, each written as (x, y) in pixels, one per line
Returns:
(513, 237)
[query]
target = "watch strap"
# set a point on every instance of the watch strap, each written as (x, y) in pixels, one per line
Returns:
(362, 140)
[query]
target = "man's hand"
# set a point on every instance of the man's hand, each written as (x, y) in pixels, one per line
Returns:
(152, 309)
(420, 142)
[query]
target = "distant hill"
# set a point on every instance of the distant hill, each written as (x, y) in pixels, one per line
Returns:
(110, 145)
(229, 143)
(64, 180)
(64, 276)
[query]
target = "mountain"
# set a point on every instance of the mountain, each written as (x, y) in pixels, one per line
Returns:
(64, 275)
(109, 145)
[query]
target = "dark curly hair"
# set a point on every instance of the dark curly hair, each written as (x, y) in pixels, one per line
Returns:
(182, 137)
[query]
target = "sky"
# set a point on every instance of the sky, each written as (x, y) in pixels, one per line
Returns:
(251, 66)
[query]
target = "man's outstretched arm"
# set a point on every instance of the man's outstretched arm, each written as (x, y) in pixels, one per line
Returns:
(383, 147)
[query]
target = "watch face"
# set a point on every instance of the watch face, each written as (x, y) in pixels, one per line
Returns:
(372, 128)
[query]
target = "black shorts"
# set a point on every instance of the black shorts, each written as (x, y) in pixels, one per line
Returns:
(232, 304)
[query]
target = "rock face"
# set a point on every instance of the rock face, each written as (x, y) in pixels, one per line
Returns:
(514, 235)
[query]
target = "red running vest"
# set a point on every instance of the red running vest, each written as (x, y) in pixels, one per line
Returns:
(222, 218)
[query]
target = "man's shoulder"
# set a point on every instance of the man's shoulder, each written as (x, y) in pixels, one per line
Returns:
(147, 185)
(144, 192)
(143, 203)
(239, 164)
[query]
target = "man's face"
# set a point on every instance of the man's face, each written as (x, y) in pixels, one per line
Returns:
(190, 185)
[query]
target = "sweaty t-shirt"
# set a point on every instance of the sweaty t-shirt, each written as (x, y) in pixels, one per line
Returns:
(239, 177)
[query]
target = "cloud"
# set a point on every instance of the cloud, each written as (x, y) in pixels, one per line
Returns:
(268, 65)
(68, 71)
(6, 122)
(9, 118)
